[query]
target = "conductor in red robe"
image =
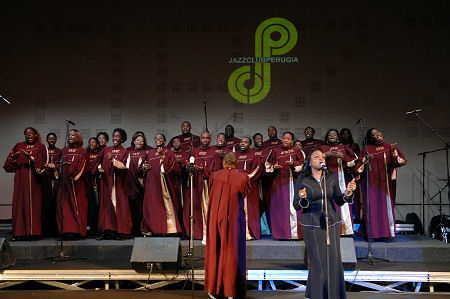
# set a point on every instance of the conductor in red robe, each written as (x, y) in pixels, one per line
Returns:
(225, 264)
(72, 200)
(27, 160)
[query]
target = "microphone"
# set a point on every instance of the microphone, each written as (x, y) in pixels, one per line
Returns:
(359, 120)
(191, 161)
(3, 98)
(323, 166)
(413, 111)
(70, 122)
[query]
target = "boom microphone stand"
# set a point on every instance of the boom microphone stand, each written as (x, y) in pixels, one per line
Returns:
(369, 258)
(327, 229)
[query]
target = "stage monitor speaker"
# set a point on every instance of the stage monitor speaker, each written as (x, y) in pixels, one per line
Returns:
(6, 255)
(348, 253)
(155, 254)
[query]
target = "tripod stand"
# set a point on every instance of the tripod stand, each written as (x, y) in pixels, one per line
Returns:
(369, 258)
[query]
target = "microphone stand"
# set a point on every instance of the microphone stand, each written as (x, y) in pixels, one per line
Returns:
(206, 115)
(191, 218)
(327, 229)
(369, 258)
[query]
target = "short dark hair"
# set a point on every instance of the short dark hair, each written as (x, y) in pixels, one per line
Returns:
(312, 129)
(136, 135)
(50, 134)
(292, 135)
(328, 132)
(257, 134)
(104, 134)
(249, 139)
(306, 170)
(78, 137)
(349, 133)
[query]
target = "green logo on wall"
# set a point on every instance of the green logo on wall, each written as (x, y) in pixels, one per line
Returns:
(265, 50)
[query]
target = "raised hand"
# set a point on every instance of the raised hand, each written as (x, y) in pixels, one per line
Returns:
(302, 193)
(350, 187)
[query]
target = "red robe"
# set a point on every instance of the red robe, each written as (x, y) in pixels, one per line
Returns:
(179, 180)
(210, 161)
(135, 187)
(265, 181)
(49, 200)
(271, 143)
(225, 264)
(381, 193)
(185, 142)
(308, 144)
(159, 212)
(337, 166)
(250, 164)
(233, 144)
(114, 213)
(72, 193)
(93, 190)
(27, 197)
(283, 216)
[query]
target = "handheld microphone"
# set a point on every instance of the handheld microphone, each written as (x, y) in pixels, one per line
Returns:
(70, 122)
(413, 111)
(323, 166)
(191, 161)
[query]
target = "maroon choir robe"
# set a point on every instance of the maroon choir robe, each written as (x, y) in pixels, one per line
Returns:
(210, 161)
(283, 216)
(135, 187)
(337, 166)
(186, 142)
(221, 151)
(72, 193)
(179, 180)
(27, 197)
(233, 144)
(271, 143)
(225, 264)
(49, 200)
(93, 190)
(308, 144)
(265, 181)
(159, 212)
(381, 217)
(250, 164)
(114, 211)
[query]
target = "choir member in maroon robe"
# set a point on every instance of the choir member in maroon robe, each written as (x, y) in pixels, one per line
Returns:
(284, 163)
(298, 144)
(103, 139)
(186, 137)
(346, 138)
(273, 140)
(139, 133)
(384, 159)
(180, 177)
(338, 158)
(220, 147)
(27, 160)
(92, 185)
(309, 141)
(160, 205)
(250, 164)
(225, 264)
(135, 185)
(264, 183)
(114, 214)
(72, 201)
(49, 201)
(231, 142)
(206, 161)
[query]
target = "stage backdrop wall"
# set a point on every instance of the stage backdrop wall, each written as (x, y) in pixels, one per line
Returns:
(146, 65)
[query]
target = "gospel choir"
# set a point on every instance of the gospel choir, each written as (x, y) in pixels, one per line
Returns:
(116, 192)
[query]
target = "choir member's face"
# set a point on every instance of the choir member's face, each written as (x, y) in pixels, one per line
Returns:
(51, 140)
(298, 144)
(220, 140)
(376, 136)
(229, 131)
(287, 140)
(117, 138)
(309, 134)
(176, 144)
(272, 132)
(244, 145)
(30, 136)
(159, 140)
(258, 140)
(139, 142)
(102, 139)
(317, 157)
(71, 138)
(185, 128)
(345, 136)
(332, 137)
(205, 139)
(93, 144)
